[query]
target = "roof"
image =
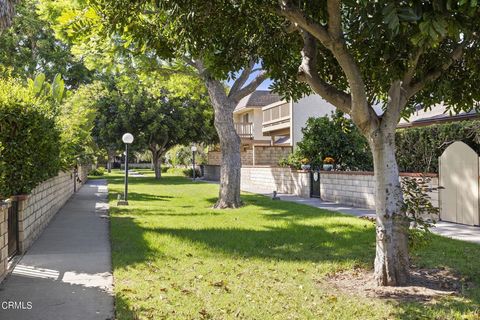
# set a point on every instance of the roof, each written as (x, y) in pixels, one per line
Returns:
(258, 99)
(438, 113)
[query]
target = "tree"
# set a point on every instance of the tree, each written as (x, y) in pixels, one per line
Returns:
(7, 11)
(161, 31)
(356, 54)
(29, 47)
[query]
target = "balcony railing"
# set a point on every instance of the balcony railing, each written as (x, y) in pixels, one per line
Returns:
(244, 129)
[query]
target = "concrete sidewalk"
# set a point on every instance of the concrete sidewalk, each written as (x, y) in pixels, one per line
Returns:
(67, 273)
(443, 228)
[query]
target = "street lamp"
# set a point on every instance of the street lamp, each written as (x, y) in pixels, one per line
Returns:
(127, 138)
(194, 149)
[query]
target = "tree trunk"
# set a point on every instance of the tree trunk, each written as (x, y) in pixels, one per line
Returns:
(110, 158)
(391, 260)
(229, 195)
(157, 166)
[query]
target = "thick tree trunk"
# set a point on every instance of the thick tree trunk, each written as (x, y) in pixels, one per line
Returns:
(391, 260)
(229, 195)
(110, 158)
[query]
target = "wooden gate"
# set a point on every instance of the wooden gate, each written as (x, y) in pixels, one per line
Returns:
(459, 177)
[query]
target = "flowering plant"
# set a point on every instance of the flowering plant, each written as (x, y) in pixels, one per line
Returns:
(304, 161)
(328, 160)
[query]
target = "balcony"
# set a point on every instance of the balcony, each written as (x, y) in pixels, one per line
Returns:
(244, 129)
(276, 117)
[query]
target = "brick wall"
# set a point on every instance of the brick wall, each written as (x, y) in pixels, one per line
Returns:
(269, 155)
(268, 179)
(358, 188)
(4, 205)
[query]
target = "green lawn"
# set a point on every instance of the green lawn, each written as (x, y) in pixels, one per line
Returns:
(176, 258)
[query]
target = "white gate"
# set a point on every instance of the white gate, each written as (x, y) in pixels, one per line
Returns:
(459, 176)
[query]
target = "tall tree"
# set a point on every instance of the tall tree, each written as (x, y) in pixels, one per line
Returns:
(160, 31)
(357, 54)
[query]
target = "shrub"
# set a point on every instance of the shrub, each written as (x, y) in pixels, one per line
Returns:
(98, 172)
(29, 139)
(418, 149)
(335, 137)
(187, 172)
(294, 160)
(419, 210)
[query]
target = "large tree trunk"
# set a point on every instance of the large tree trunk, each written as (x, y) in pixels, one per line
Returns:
(230, 171)
(110, 158)
(391, 260)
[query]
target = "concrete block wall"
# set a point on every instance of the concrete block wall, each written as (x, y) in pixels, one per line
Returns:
(211, 172)
(350, 188)
(358, 188)
(36, 211)
(268, 179)
(270, 155)
(4, 205)
(215, 157)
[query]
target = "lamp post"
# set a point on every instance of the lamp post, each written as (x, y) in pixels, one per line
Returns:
(194, 149)
(127, 138)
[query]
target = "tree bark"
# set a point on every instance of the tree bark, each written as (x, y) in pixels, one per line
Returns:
(157, 166)
(110, 156)
(230, 170)
(391, 260)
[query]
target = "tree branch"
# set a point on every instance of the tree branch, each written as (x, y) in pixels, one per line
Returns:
(307, 72)
(412, 66)
(397, 101)
(249, 88)
(435, 73)
(334, 19)
(238, 84)
(362, 114)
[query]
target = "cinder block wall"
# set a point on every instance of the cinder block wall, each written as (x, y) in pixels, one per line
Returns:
(270, 155)
(4, 205)
(215, 157)
(283, 180)
(211, 172)
(358, 188)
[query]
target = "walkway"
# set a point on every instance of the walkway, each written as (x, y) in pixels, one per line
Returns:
(66, 274)
(443, 228)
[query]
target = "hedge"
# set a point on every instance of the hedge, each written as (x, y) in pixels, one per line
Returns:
(418, 149)
(29, 140)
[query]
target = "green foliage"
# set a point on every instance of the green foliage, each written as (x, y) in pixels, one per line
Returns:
(29, 139)
(187, 172)
(338, 138)
(293, 160)
(76, 121)
(419, 210)
(181, 155)
(30, 47)
(418, 149)
(98, 172)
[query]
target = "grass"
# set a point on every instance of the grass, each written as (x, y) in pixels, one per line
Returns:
(176, 258)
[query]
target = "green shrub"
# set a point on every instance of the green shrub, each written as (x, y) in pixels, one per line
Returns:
(187, 172)
(293, 160)
(338, 138)
(98, 172)
(419, 210)
(164, 169)
(29, 139)
(418, 149)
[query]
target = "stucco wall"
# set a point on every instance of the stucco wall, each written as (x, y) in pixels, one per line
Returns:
(268, 179)
(309, 106)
